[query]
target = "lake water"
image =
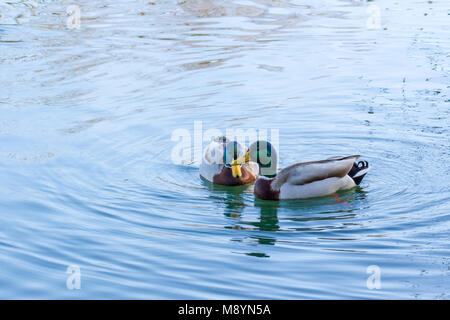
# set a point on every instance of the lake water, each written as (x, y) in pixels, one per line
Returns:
(86, 175)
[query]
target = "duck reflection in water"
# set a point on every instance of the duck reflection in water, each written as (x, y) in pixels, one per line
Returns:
(231, 199)
(264, 230)
(268, 221)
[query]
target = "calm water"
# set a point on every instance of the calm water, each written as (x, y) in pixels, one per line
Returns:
(86, 118)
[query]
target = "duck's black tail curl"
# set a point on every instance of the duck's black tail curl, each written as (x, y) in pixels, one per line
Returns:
(358, 171)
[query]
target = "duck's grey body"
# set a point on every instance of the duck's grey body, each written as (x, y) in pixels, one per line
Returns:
(311, 179)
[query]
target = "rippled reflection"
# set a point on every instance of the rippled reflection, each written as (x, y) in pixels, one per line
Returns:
(86, 118)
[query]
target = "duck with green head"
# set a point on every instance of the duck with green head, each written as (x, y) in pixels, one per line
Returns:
(217, 167)
(301, 180)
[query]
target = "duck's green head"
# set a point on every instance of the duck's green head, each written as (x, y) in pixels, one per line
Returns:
(231, 152)
(263, 153)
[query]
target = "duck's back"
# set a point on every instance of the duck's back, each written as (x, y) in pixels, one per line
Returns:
(308, 179)
(212, 160)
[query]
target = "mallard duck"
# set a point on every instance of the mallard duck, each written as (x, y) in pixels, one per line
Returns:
(302, 180)
(216, 164)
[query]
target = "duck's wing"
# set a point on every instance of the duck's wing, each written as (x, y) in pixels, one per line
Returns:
(307, 172)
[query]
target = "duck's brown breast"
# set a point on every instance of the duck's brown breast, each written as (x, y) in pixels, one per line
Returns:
(225, 177)
(263, 190)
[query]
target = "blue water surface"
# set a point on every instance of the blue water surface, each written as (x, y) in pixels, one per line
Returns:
(86, 173)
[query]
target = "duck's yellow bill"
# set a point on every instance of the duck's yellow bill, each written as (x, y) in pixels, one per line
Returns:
(241, 160)
(236, 171)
